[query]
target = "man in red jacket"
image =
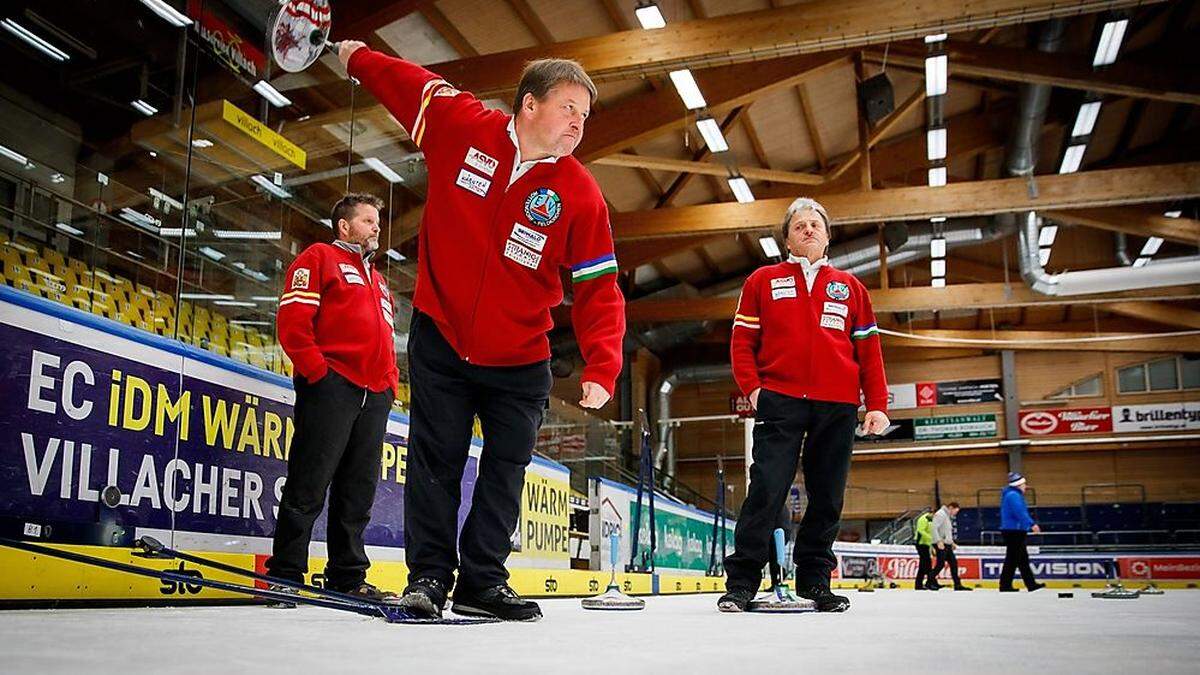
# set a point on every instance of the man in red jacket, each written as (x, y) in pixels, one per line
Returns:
(335, 324)
(804, 345)
(508, 210)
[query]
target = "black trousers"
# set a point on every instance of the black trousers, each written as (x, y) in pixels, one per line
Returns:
(945, 556)
(924, 567)
(336, 449)
(1016, 556)
(782, 427)
(447, 394)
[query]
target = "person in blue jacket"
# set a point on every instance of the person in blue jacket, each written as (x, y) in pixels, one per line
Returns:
(1015, 523)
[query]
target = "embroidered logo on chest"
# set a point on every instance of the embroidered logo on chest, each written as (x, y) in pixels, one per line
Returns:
(837, 290)
(779, 293)
(543, 207)
(836, 308)
(473, 182)
(783, 282)
(521, 255)
(478, 159)
(351, 274)
(834, 322)
(529, 237)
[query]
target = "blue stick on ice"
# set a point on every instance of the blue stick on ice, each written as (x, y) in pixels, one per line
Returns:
(780, 550)
(614, 546)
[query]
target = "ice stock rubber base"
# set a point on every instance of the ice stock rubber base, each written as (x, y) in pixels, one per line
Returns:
(780, 600)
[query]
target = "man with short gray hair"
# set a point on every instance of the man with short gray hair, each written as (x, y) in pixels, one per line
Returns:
(508, 211)
(804, 347)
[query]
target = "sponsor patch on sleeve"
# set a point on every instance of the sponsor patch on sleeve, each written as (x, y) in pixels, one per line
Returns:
(521, 255)
(834, 322)
(837, 308)
(778, 293)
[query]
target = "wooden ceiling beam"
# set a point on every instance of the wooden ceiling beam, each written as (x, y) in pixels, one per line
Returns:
(708, 168)
(1123, 78)
(1135, 221)
(1054, 192)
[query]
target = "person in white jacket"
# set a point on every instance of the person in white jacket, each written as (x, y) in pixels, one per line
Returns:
(943, 543)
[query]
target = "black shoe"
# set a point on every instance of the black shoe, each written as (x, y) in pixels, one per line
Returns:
(1009, 589)
(371, 593)
(933, 586)
(735, 600)
(425, 596)
(960, 587)
(827, 600)
(1035, 586)
(501, 602)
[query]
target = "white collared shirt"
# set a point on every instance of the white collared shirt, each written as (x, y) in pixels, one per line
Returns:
(810, 268)
(521, 168)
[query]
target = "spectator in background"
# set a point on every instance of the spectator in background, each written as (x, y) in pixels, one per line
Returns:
(943, 543)
(1015, 523)
(924, 529)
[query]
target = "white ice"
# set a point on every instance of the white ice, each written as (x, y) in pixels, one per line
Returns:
(889, 631)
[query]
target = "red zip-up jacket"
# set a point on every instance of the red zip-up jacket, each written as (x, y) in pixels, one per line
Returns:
(490, 254)
(821, 345)
(336, 312)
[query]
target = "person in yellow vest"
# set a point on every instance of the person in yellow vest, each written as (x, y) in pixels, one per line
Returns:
(924, 529)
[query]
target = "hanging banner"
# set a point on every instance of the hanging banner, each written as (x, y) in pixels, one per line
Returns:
(963, 392)
(1065, 421)
(739, 404)
(955, 426)
(231, 49)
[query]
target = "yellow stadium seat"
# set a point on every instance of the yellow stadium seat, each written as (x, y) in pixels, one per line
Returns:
(79, 266)
(53, 257)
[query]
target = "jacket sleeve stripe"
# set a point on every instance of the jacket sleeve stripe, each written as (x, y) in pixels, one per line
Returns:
(300, 294)
(861, 333)
(743, 324)
(597, 270)
(426, 96)
(746, 317)
(304, 301)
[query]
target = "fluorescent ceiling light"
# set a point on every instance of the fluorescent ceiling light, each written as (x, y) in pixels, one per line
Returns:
(212, 252)
(263, 298)
(1072, 158)
(34, 40)
(247, 234)
(1085, 120)
(267, 185)
(770, 247)
(937, 176)
(938, 219)
(1151, 246)
(327, 223)
(935, 144)
(202, 143)
(234, 303)
(143, 107)
(176, 232)
(395, 255)
(383, 169)
(69, 230)
(140, 219)
(688, 90)
(938, 282)
(159, 196)
(272, 94)
(937, 247)
(205, 296)
(650, 16)
(935, 75)
(168, 13)
(930, 39)
(710, 131)
(1047, 235)
(1110, 42)
(1173, 214)
(937, 267)
(1140, 262)
(1044, 256)
(741, 189)
(250, 323)
(14, 155)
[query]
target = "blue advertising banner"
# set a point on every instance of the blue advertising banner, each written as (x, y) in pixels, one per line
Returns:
(194, 442)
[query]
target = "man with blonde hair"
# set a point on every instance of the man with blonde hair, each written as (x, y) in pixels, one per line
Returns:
(804, 347)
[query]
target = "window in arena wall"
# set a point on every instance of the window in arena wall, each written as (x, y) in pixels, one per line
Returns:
(1173, 374)
(1086, 388)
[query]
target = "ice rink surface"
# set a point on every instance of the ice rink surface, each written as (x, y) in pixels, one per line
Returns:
(889, 631)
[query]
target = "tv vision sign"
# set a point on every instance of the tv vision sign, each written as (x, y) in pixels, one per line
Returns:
(1065, 421)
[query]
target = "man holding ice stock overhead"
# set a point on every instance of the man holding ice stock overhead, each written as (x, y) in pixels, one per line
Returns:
(804, 345)
(507, 209)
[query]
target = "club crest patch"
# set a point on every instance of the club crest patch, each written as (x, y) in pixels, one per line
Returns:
(543, 207)
(837, 290)
(300, 278)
